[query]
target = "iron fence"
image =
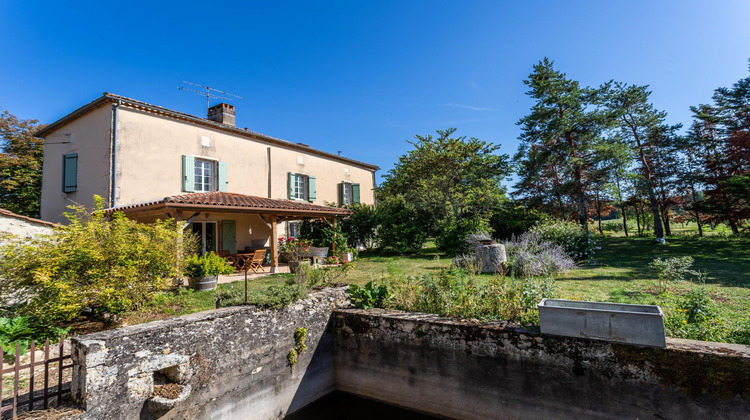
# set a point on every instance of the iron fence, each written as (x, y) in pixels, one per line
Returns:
(37, 383)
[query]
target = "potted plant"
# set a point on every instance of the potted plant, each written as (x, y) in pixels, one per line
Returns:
(297, 252)
(346, 253)
(203, 271)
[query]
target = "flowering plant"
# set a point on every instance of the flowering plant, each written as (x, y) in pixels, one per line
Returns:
(333, 259)
(296, 249)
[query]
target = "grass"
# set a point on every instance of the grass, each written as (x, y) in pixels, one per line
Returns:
(618, 273)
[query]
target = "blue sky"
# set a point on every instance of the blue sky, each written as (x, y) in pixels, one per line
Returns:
(364, 77)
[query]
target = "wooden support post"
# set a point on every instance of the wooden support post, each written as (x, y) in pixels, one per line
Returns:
(333, 245)
(274, 245)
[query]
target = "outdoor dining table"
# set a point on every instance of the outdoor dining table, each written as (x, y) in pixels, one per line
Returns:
(239, 260)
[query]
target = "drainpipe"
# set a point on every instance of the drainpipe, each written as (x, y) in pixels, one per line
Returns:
(113, 174)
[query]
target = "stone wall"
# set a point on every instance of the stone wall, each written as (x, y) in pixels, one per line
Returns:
(233, 359)
(461, 370)
(21, 226)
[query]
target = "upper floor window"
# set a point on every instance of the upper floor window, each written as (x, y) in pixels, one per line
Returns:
(301, 187)
(70, 172)
(205, 175)
(348, 193)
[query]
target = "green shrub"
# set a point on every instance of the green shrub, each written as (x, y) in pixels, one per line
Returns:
(400, 227)
(370, 296)
(360, 228)
(109, 264)
(455, 293)
(612, 226)
(207, 265)
(275, 297)
(509, 219)
(451, 238)
(576, 242)
(696, 317)
(311, 277)
(322, 234)
(670, 270)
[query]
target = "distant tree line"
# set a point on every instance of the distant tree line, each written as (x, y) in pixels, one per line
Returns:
(586, 151)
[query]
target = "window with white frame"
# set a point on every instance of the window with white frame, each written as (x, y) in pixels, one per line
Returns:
(346, 193)
(293, 229)
(205, 175)
(300, 187)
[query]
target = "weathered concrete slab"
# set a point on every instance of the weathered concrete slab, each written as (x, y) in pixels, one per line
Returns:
(457, 369)
(234, 359)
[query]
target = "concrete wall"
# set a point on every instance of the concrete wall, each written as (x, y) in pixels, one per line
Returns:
(235, 362)
(460, 370)
(21, 226)
(234, 359)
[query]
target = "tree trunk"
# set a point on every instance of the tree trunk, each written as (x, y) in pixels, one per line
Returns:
(624, 220)
(698, 220)
(599, 212)
(733, 225)
(637, 219)
(649, 186)
(665, 218)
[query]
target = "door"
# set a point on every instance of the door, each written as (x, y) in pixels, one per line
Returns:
(206, 233)
(229, 235)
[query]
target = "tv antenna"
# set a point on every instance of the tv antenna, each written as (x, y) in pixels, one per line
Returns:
(209, 92)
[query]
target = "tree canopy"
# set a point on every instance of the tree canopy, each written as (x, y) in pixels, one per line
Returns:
(448, 180)
(21, 157)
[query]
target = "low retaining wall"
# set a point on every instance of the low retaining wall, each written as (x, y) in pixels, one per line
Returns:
(235, 362)
(233, 359)
(465, 371)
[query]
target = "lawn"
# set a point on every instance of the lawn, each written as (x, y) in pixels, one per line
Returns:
(619, 272)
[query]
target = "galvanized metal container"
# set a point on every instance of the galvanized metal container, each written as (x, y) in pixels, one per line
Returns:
(618, 322)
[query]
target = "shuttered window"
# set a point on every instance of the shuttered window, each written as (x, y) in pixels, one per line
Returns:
(203, 175)
(348, 193)
(302, 187)
(70, 172)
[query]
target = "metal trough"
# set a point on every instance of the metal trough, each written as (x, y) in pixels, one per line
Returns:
(618, 322)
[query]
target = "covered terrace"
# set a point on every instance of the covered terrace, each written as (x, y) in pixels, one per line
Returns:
(230, 221)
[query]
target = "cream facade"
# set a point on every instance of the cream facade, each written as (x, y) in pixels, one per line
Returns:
(130, 152)
(147, 152)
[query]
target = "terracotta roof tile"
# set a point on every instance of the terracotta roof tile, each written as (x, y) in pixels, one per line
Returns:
(238, 201)
(29, 219)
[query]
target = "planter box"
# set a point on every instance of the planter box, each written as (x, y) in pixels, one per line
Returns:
(618, 322)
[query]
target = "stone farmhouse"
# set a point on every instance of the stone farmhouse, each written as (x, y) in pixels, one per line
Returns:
(236, 189)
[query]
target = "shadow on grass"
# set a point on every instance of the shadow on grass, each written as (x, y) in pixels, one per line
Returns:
(726, 261)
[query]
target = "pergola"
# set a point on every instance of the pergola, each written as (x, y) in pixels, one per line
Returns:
(186, 207)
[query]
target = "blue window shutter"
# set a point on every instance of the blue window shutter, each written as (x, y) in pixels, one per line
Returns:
(311, 190)
(355, 193)
(70, 172)
(223, 179)
(291, 186)
(188, 173)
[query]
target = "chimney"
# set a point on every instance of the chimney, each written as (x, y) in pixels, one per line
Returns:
(222, 113)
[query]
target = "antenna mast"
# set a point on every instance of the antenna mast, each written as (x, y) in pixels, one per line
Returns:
(209, 93)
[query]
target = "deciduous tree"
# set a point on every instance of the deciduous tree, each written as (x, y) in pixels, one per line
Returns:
(20, 165)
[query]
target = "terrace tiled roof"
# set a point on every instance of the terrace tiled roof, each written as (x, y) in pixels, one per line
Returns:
(225, 201)
(26, 218)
